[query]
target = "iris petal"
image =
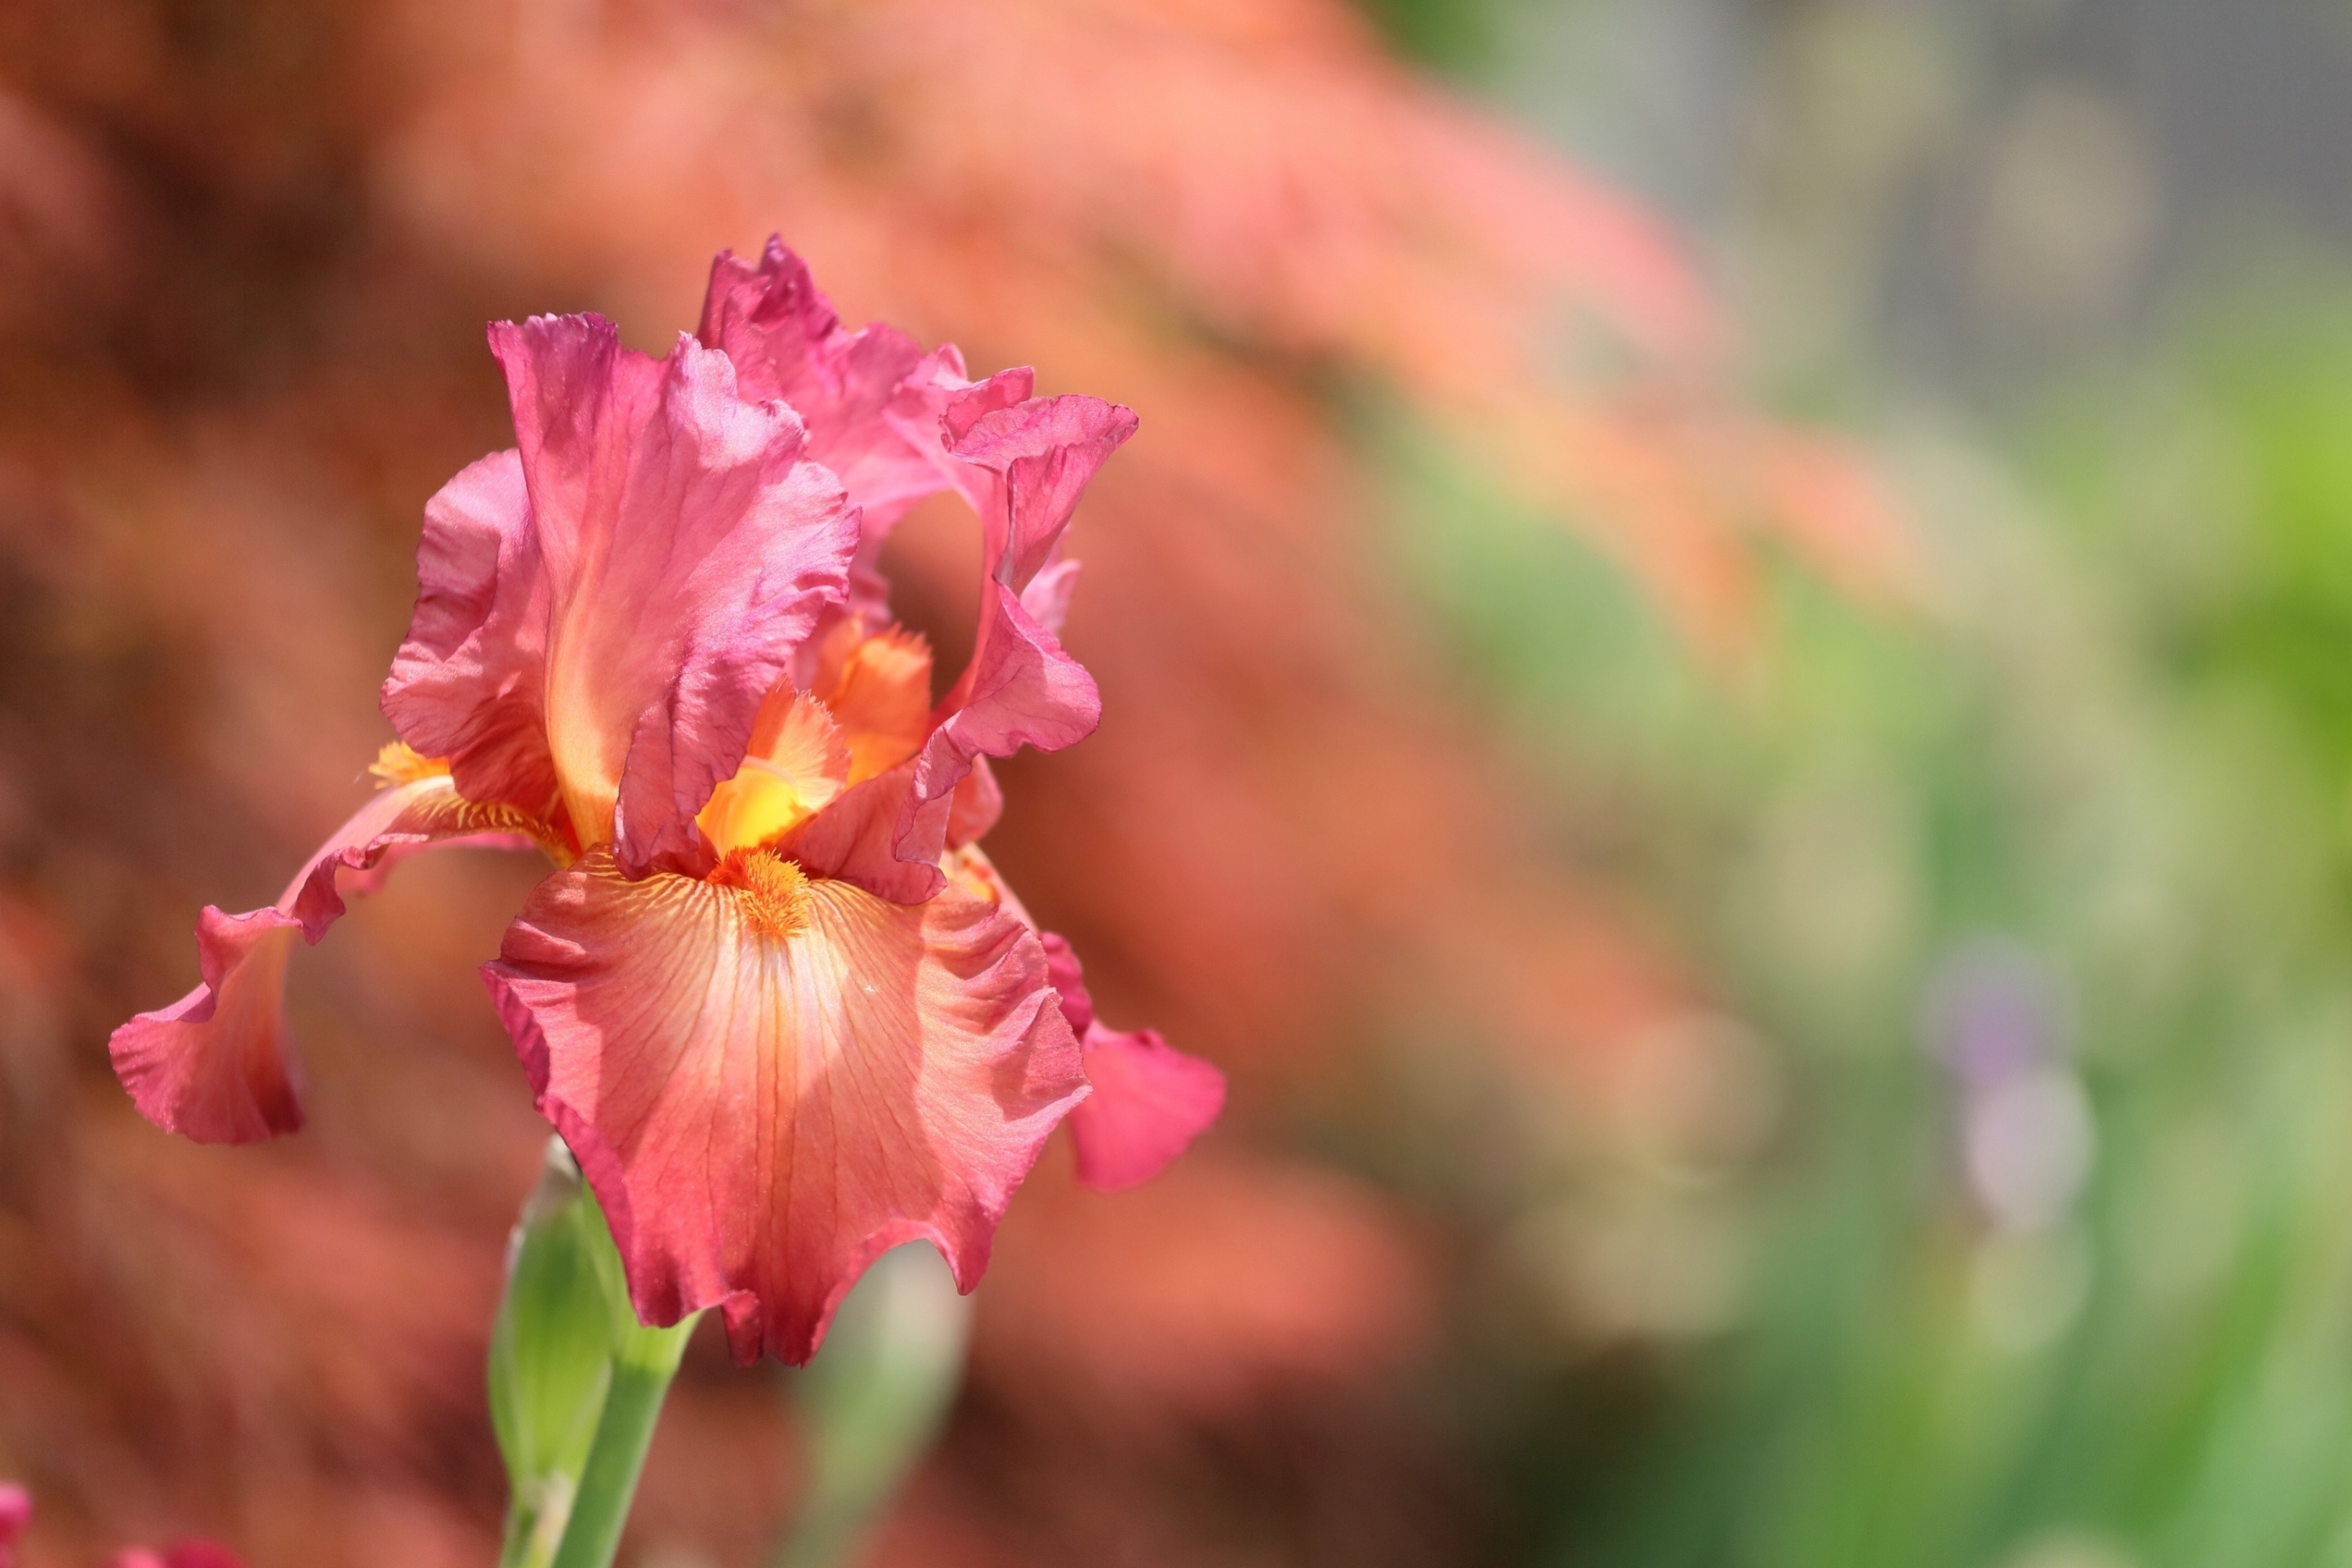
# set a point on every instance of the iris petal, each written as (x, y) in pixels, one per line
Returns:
(771, 1083)
(217, 1065)
(1150, 1101)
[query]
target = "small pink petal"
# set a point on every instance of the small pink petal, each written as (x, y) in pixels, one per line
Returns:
(1067, 977)
(768, 1084)
(1149, 1101)
(1043, 453)
(468, 683)
(854, 838)
(218, 1066)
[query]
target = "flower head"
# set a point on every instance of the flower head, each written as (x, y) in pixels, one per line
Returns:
(774, 996)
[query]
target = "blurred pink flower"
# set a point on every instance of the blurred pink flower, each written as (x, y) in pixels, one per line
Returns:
(775, 998)
(185, 1555)
(16, 1513)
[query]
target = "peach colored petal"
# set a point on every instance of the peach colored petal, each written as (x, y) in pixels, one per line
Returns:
(769, 1081)
(218, 1066)
(877, 688)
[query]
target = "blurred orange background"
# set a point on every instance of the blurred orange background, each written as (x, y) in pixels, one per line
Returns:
(245, 255)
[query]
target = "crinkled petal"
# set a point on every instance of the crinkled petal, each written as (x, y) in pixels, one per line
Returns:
(218, 1066)
(771, 1083)
(603, 613)
(1031, 461)
(1021, 689)
(871, 397)
(1041, 453)
(690, 549)
(468, 683)
(1150, 1101)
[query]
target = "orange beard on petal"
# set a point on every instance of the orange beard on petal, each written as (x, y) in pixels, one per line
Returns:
(775, 891)
(397, 765)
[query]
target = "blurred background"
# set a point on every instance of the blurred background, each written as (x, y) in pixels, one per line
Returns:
(1726, 654)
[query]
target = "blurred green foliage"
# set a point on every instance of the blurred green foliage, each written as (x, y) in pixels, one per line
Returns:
(2118, 749)
(1456, 34)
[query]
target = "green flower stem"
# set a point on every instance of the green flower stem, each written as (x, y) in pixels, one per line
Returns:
(576, 1381)
(641, 1379)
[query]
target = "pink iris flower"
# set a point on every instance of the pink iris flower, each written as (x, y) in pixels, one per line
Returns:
(774, 997)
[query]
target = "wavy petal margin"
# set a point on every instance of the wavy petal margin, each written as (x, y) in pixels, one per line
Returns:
(871, 398)
(469, 680)
(610, 636)
(1031, 462)
(1150, 1101)
(771, 1083)
(218, 1066)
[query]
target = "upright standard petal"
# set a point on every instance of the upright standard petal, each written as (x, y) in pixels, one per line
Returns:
(603, 613)
(769, 1081)
(690, 549)
(1028, 462)
(1149, 1101)
(469, 680)
(871, 398)
(218, 1066)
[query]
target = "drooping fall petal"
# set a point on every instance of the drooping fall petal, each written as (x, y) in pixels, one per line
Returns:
(769, 1081)
(1150, 1101)
(679, 547)
(216, 1066)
